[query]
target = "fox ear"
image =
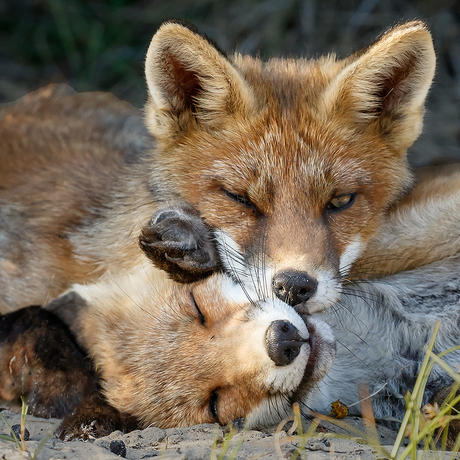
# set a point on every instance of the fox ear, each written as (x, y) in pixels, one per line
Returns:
(383, 88)
(190, 81)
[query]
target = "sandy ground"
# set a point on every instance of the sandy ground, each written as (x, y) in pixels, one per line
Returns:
(195, 443)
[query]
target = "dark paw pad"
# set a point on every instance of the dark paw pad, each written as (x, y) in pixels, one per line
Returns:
(177, 241)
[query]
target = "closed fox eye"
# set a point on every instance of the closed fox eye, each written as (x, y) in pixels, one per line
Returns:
(213, 405)
(200, 314)
(341, 202)
(241, 199)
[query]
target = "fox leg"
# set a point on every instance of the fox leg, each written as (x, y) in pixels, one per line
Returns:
(41, 361)
(95, 417)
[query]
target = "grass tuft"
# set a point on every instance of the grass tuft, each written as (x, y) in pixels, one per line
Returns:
(21, 443)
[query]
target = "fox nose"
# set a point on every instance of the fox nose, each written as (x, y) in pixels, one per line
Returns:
(283, 342)
(294, 287)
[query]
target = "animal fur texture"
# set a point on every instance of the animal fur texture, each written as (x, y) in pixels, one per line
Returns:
(151, 338)
(68, 209)
(177, 355)
(298, 170)
(381, 328)
(307, 154)
(292, 165)
(171, 354)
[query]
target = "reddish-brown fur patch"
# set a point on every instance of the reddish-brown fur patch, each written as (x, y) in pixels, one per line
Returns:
(285, 136)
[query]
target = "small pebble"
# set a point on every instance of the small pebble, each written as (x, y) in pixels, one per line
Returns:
(238, 423)
(17, 431)
(118, 448)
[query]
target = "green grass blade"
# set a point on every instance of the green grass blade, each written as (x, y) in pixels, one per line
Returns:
(226, 444)
(444, 366)
(9, 438)
(450, 350)
(14, 437)
(418, 387)
(45, 440)
(455, 447)
(24, 409)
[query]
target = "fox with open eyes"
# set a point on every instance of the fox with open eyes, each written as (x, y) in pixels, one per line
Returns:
(291, 164)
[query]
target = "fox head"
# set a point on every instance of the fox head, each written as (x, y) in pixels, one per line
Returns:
(173, 354)
(292, 161)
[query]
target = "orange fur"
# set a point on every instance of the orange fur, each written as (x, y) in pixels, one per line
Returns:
(160, 360)
(422, 227)
(63, 157)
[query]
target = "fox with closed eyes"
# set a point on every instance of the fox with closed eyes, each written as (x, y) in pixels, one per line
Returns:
(134, 350)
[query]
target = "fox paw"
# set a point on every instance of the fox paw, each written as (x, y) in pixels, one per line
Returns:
(177, 241)
(94, 418)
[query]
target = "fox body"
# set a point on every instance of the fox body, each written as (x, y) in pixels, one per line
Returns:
(381, 329)
(223, 369)
(172, 354)
(292, 165)
(63, 159)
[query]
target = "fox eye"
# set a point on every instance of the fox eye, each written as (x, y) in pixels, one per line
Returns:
(213, 403)
(241, 199)
(341, 202)
(200, 314)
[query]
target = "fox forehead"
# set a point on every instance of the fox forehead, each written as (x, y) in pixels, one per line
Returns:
(272, 159)
(288, 83)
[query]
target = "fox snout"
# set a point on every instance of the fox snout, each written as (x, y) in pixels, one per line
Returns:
(283, 342)
(294, 287)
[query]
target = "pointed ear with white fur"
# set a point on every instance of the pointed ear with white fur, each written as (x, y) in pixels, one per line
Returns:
(191, 82)
(383, 88)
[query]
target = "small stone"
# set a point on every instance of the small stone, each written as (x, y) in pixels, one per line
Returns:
(16, 429)
(118, 448)
(239, 423)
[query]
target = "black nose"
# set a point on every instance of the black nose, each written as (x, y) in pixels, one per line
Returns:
(294, 287)
(283, 342)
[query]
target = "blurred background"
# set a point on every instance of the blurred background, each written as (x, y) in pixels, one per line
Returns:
(101, 44)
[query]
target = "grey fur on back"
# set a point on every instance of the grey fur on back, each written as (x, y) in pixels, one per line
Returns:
(382, 329)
